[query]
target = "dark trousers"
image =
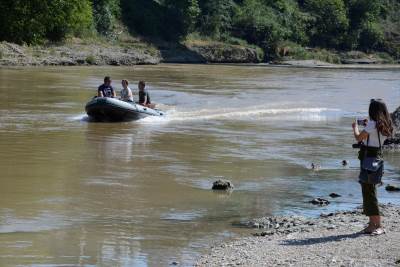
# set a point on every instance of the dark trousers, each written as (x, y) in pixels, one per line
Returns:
(370, 201)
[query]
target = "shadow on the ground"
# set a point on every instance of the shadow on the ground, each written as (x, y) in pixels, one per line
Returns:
(319, 240)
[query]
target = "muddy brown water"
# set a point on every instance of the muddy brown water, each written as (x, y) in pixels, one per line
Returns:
(75, 193)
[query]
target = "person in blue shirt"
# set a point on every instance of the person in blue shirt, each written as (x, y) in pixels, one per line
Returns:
(106, 90)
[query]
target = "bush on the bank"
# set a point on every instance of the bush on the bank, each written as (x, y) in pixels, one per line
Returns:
(36, 20)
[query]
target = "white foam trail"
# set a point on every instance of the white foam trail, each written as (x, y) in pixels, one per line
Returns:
(80, 117)
(313, 114)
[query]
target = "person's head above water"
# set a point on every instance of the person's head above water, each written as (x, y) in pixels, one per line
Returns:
(379, 113)
(107, 80)
(141, 85)
(124, 83)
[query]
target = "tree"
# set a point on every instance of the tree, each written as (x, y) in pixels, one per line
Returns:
(330, 22)
(104, 14)
(216, 17)
(144, 17)
(267, 22)
(33, 21)
(181, 16)
(364, 31)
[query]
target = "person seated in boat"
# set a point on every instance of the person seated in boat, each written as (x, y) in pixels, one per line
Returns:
(126, 92)
(106, 90)
(144, 97)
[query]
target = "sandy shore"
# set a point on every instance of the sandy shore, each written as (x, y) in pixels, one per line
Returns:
(330, 240)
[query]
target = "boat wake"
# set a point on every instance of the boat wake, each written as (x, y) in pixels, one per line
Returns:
(248, 113)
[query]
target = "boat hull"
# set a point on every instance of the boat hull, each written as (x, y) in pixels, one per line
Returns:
(114, 110)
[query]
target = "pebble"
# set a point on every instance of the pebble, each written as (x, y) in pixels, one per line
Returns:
(334, 195)
(320, 201)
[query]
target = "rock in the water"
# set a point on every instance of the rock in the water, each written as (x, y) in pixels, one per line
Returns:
(392, 188)
(396, 119)
(320, 202)
(222, 185)
(345, 163)
(334, 195)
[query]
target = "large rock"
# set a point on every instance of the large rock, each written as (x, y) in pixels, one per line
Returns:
(223, 185)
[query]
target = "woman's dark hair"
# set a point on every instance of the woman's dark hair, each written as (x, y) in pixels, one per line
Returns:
(378, 112)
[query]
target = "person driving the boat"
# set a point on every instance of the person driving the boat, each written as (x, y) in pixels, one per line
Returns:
(144, 97)
(106, 90)
(126, 92)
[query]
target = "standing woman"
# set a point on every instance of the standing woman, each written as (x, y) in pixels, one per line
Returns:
(378, 128)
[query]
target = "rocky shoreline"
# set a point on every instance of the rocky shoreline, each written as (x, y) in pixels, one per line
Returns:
(77, 52)
(329, 240)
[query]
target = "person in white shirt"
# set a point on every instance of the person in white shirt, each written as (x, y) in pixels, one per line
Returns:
(126, 92)
(378, 128)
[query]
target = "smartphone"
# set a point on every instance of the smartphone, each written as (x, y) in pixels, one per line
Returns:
(362, 122)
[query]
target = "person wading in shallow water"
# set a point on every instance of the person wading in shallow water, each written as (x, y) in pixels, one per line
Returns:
(106, 90)
(377, 130)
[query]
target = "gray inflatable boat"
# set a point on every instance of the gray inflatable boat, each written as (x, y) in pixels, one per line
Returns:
(113, 110)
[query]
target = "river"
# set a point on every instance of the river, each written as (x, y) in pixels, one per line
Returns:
(75, 193)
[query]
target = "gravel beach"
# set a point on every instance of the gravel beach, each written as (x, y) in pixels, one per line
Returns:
(329, 240)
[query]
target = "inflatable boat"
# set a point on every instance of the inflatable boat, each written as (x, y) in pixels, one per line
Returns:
(112, 110)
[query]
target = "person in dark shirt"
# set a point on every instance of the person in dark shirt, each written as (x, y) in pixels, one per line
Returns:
(106, 90)
(144, 96)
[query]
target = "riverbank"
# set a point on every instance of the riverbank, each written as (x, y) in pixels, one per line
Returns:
(329, 240)
(134, 51)
(130, 52)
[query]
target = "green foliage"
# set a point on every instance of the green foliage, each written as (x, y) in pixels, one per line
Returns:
(258, 24)
(367, 25)
(295, 51)
(181, 16)
(267, 22)
(91, 60)
(330, 22)
(144, 17)
(216, 17)
(371, 37)
(32, 21)
(105, 12)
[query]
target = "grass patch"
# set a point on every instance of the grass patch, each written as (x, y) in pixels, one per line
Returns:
(293, 51)
(91, 60)
(386, 58)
